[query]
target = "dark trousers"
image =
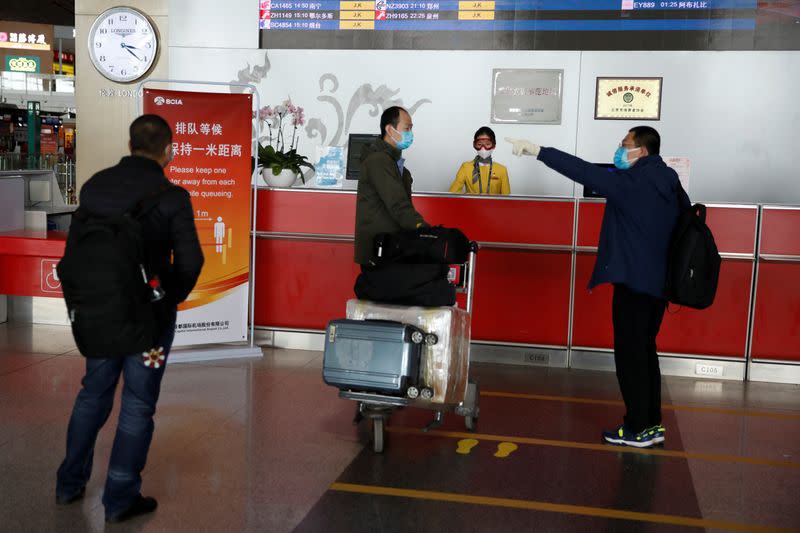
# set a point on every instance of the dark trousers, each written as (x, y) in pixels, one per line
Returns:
(637, 319)
(134, 429)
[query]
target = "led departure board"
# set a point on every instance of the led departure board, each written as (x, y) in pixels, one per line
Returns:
(530, 24)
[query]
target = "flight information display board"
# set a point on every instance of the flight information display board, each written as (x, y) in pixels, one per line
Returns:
(530, 24)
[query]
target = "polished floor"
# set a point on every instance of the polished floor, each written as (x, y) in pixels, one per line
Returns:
(264, 446)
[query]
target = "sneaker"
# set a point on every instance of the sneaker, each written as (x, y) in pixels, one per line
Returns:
(623, 437)
(66, 500)
(141, 505)
(659, 434)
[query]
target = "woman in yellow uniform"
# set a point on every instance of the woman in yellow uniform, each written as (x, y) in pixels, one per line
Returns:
(482, 175)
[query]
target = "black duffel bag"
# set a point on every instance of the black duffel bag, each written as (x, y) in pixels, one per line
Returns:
(436, 244)
(424, 285)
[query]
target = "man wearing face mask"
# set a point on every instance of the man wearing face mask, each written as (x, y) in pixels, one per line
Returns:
(482, 175)
(383, 201)
(173, 255)
(383, 205)
(643, 201)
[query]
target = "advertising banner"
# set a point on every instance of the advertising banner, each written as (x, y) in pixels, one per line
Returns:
(212, 147)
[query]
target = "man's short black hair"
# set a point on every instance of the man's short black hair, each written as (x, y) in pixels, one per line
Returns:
(485, 130)
(647, 137)
(390, 117)
(150, 135)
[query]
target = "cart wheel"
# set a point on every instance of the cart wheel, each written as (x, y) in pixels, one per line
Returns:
(426, 393)
(412, 392)
(417, 337)
(471, 422)
(377, 434)
(431, 339)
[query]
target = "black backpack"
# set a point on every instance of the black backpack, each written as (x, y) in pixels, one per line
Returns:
(694, 262)
(105, 283)
(437, 244)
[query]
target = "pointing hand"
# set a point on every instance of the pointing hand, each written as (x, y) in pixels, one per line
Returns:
(521, 146)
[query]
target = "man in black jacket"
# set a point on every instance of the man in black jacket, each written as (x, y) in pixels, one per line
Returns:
(174, 255)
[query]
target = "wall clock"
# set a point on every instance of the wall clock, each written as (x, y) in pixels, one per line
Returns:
(123, 44)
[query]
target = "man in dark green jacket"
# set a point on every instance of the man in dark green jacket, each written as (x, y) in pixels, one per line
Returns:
(383, 202)
(384, 205)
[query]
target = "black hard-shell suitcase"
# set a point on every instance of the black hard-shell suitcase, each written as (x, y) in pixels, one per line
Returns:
(372, 356)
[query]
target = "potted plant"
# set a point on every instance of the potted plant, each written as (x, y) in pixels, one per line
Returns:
(280, 167)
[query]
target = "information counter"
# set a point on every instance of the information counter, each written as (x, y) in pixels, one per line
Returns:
(532, 305)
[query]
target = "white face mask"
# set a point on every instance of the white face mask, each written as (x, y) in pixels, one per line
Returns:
(484, 153)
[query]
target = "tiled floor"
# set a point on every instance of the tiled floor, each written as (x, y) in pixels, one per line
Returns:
(264, 445)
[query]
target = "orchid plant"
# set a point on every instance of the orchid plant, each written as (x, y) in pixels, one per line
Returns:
(274, 154)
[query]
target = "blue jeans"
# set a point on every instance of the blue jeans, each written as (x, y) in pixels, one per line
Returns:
(134, 430)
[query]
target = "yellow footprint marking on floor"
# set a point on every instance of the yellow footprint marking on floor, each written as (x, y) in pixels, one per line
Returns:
(504, 449)
(465, 446)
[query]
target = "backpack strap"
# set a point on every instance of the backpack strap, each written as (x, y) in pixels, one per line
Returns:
(148, 201)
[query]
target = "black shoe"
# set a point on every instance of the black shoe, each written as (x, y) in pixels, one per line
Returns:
(66, 500)
(141, 505)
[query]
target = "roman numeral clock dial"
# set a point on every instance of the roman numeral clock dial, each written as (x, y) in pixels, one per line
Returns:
(123, 44)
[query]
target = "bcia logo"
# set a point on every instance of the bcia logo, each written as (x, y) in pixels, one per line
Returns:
(160, 100)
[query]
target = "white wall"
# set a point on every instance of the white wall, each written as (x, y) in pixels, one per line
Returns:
(734, 114)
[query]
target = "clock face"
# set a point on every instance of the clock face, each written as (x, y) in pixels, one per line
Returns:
(123, 44)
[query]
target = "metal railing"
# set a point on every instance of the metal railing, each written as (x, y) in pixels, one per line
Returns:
(23, 82)
(64, 168)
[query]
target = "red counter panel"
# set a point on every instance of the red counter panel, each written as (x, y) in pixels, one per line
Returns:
(776, 325)
(734, 227)
(718, 330)
(590, 217)
(302, 284)
(27, 263)
(780, 231)
(306, 212)
(502, 220)
(521, 296)
(776, 328)
(490, 220)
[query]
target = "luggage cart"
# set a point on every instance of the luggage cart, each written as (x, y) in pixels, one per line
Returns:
(377, 408)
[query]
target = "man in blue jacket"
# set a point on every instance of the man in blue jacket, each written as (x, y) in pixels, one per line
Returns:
(643, 201)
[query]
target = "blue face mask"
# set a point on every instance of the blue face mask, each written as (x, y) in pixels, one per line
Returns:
(406, 138)
(621, 158)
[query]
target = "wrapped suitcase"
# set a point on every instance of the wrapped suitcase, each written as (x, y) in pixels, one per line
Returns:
(372, 356)
(444, 366)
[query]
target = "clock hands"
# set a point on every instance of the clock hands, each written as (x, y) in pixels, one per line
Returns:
(130, 50)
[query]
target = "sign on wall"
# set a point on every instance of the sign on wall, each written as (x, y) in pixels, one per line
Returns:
(25, 36)
(527, 96)
(29, 64)
(628, 99)
(212, 147)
